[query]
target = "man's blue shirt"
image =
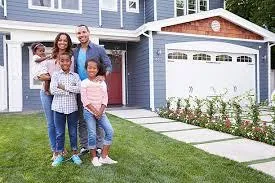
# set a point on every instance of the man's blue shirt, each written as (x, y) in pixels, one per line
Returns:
(81, 64)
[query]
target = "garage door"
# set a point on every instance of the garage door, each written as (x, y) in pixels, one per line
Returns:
(206, 74)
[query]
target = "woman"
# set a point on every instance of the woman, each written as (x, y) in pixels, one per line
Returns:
(62, 43)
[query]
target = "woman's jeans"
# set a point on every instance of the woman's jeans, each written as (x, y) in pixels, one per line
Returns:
(60, 124)
(104, 123)
(46, 101)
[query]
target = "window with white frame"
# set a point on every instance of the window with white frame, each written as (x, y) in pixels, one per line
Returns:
(184, 7)
(223, 58)
(35, 84)
(69, 6)
(244, 59)
(132, 6)
(177, 55)
(109, 5)
(202, 56)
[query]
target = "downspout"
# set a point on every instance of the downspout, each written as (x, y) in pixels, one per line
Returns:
(151, 70)
(155, 11)
(269, 70)
(5, 9)
(121, 15)
(99, 14)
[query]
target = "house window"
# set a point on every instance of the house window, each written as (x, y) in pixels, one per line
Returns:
(109, 5)
(202, 56)
(180, 7)
(35, 84)
(244, 59)
(183, 7)
(68, 6)
(224, 58)
(177, 55)
(132, 6)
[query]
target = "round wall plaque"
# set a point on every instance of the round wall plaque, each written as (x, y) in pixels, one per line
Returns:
(216, 26)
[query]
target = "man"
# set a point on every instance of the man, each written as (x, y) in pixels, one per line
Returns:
(84, 51)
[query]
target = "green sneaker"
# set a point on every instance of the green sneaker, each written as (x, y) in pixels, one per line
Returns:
(58, 160)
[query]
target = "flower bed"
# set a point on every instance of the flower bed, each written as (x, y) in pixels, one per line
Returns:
(216, 118)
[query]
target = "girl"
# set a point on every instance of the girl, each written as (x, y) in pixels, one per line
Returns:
(94, 97)
(62, 43)
(38, 50)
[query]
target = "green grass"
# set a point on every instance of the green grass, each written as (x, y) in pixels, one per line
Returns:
(143, 156)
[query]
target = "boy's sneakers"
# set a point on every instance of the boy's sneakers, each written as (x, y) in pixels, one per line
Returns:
(96, 162)
(107, 160)
(83, 150)
(58, 160)
(76, 159)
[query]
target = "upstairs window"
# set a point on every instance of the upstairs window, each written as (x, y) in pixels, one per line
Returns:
(109, 5)
(68, 6)
(184, 7)
(132, 6)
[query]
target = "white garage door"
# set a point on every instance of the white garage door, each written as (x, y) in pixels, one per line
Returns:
(205, 74)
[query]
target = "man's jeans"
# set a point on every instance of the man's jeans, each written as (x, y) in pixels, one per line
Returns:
(91, 125)
(82, 128)
(46, 101)
(60, 124)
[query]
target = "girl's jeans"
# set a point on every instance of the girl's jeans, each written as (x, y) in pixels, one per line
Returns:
(60, 124)
(46, 101)
(104, 123)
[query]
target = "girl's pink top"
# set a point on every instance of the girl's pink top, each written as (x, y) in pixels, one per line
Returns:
(94, 93)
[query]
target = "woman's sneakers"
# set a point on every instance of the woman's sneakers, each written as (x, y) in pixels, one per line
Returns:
(107, 160)
(58, 160)
(96, 162)
(76, 159)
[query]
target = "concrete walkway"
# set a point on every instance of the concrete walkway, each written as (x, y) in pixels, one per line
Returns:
(255, 154)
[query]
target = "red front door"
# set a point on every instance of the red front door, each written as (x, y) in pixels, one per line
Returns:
(114, 80)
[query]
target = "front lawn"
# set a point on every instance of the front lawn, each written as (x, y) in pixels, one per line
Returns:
(142, 155)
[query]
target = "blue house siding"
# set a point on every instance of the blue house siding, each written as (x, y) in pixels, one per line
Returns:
(149, 11)
(159, 63)
(131, 20)
(31, 98)
(215, 4)
(18, 10)
(138, 73)
(1, 51)
(1, 12)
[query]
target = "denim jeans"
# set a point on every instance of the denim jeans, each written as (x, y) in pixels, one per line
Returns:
(104, 123)
(46, 101)
(60, 124)
(83, 131)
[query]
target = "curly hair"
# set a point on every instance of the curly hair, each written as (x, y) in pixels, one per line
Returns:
(100, 67)
(55, 49)
(35, 46)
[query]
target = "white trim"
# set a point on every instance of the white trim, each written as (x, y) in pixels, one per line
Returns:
(258, 78)
(210, 37)
(151, 71)
(132, 10)
(155, 11)
(270, 86)
(15, 75)
(3, 78)
(109, 9)
(58, 9)
(121, 14)
(123, 71)
(5, 8)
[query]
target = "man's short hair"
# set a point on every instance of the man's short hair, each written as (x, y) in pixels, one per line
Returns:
(82, 25)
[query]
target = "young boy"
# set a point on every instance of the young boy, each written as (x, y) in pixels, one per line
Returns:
(65, 84)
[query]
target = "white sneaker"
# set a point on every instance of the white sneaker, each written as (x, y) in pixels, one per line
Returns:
(107, 160)
(83, 150)
(96, 162)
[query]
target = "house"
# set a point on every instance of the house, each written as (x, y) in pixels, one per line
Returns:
(159, 48)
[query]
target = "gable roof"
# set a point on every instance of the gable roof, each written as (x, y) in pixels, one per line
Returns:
(235, 19)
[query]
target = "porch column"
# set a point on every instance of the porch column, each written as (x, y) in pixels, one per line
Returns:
(15, 75)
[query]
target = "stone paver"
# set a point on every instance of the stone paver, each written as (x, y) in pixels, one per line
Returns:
(198, 136)
(151, 120)
(137, 113)
(172, 126)
(268, 167)
(240, 150)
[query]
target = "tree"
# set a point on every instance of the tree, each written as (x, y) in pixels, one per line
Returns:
(260, 12)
